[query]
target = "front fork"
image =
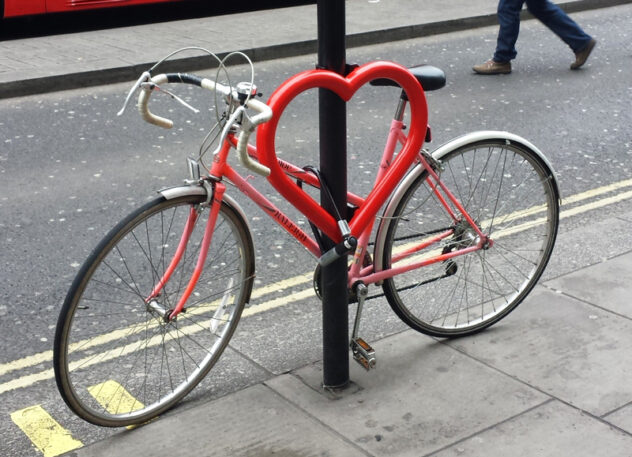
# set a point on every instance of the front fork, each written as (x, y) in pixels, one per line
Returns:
(214, 201)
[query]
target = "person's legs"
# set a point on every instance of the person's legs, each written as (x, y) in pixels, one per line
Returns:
(509, 20)
(558, 21)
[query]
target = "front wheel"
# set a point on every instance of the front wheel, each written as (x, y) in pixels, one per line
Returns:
(509, 190)
(118, 360)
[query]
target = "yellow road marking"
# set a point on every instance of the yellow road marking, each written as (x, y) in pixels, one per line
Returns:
(44, 431)
(159, 339)
(567, 213)
(596, 204)
(29, 361)
(596, 192)
(114, 398)
(25, 381)
(46, 357)
(280, 285)
(306, 293)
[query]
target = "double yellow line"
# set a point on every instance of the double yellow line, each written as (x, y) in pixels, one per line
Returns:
(591, 197)
(53, 440)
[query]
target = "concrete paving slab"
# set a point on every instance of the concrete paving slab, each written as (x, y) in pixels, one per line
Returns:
(614, 278)
(233, 372)
(590, 243)
(626, 217)
(295, 330)
(551, 430)
(254, 422)
(422, 397)
(622, 418)
(563, 347)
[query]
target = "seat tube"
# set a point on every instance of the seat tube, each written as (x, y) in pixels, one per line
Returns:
(218, 194)
(394, 136)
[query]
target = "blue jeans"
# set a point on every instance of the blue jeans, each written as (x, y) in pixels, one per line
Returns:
(549, 14)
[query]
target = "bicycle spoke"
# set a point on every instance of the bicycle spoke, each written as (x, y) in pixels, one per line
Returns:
(509, 194)
(140, 362)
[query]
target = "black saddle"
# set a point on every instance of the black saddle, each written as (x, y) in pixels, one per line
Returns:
(430, 78)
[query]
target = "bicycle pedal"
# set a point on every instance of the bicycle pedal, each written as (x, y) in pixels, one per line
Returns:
(363, 353)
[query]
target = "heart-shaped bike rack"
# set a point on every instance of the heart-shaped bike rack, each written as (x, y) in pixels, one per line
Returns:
(345, 88)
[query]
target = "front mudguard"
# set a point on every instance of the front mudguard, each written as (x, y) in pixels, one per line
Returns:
(180, 191)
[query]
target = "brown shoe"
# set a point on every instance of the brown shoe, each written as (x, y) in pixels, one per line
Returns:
(582, 56)
(491, 67)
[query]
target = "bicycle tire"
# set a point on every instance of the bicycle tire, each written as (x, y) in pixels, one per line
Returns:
(117, 361)
(510, 191)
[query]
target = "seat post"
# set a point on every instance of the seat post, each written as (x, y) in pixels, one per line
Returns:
(401, 107)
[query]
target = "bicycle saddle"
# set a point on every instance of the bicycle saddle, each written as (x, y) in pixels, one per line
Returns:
(430, 78)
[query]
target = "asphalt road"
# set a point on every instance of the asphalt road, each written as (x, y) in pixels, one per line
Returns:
(70, 169)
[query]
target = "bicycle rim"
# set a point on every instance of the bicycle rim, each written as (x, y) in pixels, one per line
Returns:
(511, 195)
(117, 360)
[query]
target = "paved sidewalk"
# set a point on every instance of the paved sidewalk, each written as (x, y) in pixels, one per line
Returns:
(552, 379)
(47, 64)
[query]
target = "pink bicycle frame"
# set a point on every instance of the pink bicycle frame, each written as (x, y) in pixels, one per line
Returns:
(391, 171)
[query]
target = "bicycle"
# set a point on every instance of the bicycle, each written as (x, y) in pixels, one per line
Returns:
(465, 234)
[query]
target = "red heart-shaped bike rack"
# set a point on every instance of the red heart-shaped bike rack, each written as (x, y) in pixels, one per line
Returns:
(344, 87)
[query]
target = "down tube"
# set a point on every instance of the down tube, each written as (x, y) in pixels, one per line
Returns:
(272, 211)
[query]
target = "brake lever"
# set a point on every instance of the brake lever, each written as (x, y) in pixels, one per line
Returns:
(146, 76)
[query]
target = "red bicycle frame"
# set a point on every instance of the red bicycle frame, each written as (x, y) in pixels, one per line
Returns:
(391, 171)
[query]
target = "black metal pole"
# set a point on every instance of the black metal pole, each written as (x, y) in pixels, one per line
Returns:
(333, 167)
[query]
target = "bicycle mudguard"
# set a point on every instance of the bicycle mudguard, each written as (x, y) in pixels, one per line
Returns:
(180, 191)
(438, 153)
(491, 135)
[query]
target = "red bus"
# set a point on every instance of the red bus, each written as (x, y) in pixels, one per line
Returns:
(13, 8)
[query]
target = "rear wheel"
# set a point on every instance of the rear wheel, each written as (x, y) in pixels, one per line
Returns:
(118, 361)
(510, 193)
